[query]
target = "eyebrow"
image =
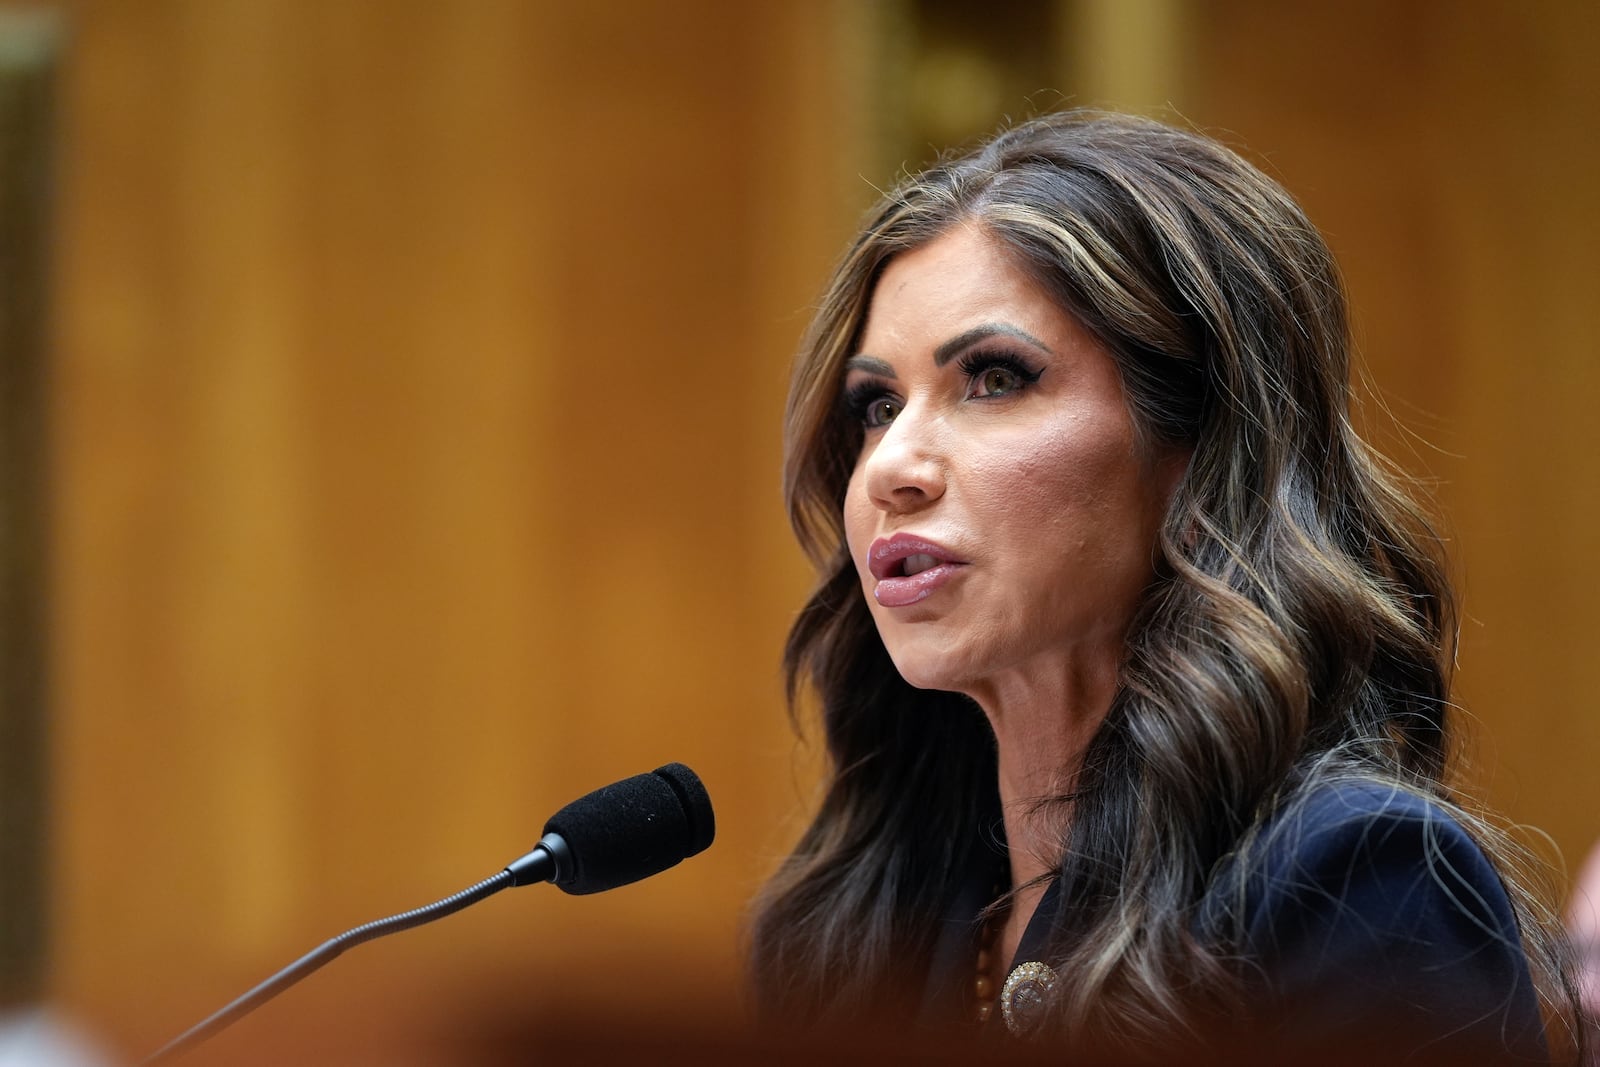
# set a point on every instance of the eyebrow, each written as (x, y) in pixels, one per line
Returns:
(951, 348)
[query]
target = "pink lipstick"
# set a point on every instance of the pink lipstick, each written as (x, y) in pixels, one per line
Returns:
(909, 569)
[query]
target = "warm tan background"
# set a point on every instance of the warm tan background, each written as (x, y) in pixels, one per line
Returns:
(416, 399)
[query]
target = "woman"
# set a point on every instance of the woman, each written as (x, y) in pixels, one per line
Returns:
(1133, 659)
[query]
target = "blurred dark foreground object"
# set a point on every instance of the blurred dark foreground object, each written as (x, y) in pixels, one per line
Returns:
(574, 1040)
(602, 1014)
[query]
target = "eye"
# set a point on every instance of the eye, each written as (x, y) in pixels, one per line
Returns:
(871, 405)
(995, 375)
(995, 381)
(881, 412)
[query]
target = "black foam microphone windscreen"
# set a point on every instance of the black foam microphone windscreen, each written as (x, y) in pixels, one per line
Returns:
(632, 829)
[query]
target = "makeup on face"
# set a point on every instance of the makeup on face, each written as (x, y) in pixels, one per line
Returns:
(908, 569)
(1001, 513)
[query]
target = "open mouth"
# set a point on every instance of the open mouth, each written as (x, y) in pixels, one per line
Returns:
(904, 556)
(909, 569)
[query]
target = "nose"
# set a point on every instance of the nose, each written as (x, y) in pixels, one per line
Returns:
(904, 470)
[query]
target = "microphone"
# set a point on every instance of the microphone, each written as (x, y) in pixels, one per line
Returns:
(617, 834)
(621, 833)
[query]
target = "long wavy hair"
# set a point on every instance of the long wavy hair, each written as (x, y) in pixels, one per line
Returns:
(1301, 627)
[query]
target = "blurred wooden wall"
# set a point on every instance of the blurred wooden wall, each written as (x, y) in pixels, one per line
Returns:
(417, 432)
(416, 414)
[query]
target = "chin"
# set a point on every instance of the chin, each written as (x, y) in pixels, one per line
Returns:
(927, 667)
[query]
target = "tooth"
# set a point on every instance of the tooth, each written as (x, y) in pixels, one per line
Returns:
(920, 562)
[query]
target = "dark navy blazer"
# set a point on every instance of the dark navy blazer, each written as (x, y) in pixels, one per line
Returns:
(1364, 918)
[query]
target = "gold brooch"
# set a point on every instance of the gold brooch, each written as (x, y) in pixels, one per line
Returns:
(1024, 997)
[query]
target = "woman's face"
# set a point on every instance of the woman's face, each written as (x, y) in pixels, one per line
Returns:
(1002, 514)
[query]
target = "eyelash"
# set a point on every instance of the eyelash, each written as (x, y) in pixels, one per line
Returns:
(859, 399)
(973, 364)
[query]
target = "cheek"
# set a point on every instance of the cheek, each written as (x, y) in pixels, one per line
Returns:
(1047, 477)
(1077, 495)
(859, 518)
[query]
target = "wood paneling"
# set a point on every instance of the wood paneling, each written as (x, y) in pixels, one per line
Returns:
(420, 374)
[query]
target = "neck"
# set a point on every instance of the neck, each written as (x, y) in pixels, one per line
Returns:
(1043, 726)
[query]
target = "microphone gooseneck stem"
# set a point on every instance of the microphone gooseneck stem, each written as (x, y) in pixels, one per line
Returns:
(325, 952)
(613, 836)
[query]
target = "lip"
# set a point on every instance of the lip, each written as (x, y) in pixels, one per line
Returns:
(894, 590)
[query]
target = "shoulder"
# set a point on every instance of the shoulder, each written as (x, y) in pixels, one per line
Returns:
(1364, 837)
(1364, 908)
